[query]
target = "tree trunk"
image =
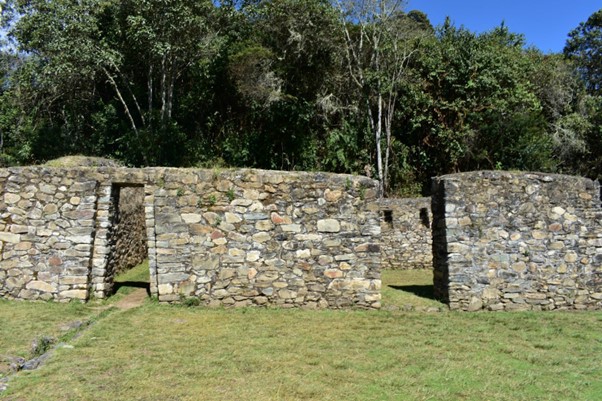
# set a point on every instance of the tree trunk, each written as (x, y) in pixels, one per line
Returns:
(379, 155)
(150, 94)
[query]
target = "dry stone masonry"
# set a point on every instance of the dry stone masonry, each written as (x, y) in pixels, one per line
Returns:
(517, 241)
(406, 234)
(129, 228)
(500, 240)
(233, 237)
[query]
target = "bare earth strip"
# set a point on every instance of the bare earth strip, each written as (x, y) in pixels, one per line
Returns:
(133, 300)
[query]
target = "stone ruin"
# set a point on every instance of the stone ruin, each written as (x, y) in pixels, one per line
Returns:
(517, 241)
(495, 240)
(232, 237)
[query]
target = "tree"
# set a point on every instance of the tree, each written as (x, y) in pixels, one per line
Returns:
(380, 41)
(584, 45)
(96, 61)
(471, 105)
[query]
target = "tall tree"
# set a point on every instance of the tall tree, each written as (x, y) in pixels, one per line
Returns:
(380, 41)
(472, 105)
(584, 45)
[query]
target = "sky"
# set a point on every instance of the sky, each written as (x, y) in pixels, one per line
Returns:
(545, 23)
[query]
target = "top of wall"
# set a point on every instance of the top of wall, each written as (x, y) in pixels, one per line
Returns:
(391, 203)
(155, 174)
(556, 187)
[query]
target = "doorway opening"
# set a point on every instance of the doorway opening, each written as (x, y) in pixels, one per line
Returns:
(127, 267)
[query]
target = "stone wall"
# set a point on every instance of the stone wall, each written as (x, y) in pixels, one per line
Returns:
(406, 233)
(517, 241)
(258, 238)
(236, 237)
(129, 241)
(47, 227)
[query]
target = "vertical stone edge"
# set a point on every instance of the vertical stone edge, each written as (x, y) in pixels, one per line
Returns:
(99, 287)
(149, 211)
(439, 241)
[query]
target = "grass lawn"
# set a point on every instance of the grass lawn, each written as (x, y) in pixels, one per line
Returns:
(160, 352)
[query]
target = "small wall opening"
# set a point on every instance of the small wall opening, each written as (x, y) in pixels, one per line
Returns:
(424, 217)
(388, 217)
(128, 258)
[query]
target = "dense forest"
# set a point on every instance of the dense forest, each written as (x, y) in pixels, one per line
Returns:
(343, 86)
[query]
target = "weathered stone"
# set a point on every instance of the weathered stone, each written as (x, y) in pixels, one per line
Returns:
(253, 256)
(539, 234)
(303, 253)
(571, 257)
(333, 273)
(333, 196)
(10, 238)
(292, 228)
(527, 245)
(277, 219)
(40, 286)
(11, 198)
(329, 226)
(211, 218)
(261, 237)
(200, 242)
(191, 218)
(73, 294)
(264, 225)
(232, 218)
(50, 209)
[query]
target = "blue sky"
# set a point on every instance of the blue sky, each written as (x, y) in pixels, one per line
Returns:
(545, 23)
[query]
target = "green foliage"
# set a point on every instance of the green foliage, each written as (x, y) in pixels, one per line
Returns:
(230, 195)
(362, 192)
(190, 301)
(292, 85)
(41, 345)
(585, 47)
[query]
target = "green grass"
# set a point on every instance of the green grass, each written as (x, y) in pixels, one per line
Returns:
(21, 322)
(128, 281)
(139, 273)
(160, 352)
(409, 290)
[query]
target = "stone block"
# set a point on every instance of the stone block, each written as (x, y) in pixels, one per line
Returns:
(73, 294)
(329, 226)
(10, 237)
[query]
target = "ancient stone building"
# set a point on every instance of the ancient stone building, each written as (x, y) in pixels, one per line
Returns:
(232, 237)
(517, 241)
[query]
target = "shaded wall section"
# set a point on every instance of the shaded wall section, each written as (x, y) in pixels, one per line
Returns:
(406, 233)
(517, 241)
(129, 242)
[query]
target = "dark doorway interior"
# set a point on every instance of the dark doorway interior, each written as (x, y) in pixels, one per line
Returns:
(128, 262)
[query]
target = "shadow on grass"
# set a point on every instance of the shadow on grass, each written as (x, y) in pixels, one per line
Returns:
(423, 291)
(132, 284)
